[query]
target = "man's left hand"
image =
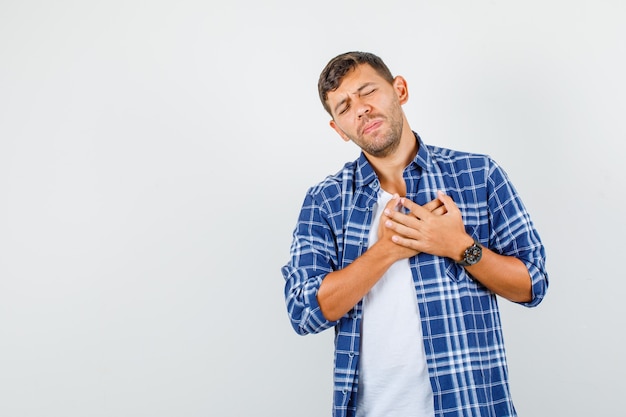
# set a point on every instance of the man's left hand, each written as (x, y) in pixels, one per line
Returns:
(430, 232)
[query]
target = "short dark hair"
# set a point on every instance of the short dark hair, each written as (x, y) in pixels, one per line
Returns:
(339, 66)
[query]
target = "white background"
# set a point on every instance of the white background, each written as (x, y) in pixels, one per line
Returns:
(154, 156)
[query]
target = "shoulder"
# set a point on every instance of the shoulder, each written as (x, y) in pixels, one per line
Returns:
(454, 157)
(466, 166)
(333, 185)
(325, 201)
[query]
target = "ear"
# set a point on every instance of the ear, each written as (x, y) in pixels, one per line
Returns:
(339, 131)
(401, 88)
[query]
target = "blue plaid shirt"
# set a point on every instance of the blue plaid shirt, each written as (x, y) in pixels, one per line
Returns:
(460, 319)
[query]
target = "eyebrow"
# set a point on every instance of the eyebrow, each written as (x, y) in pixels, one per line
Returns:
(361, 88)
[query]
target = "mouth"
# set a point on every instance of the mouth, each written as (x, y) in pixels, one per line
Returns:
(371, 126)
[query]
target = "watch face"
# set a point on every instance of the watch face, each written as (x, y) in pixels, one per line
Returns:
(473, 254)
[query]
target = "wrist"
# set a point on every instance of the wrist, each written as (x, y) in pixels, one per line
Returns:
(461, 247)
(385, 252)
(472, 253)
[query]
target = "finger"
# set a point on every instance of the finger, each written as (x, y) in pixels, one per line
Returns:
(439, 211)
(393, 204)
(433, 205)
(403, 226)
(448, 202)
(417, 210)
(407, 243)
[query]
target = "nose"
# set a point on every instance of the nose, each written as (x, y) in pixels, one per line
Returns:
(362, 108)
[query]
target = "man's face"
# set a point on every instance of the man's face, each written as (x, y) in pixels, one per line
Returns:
(367, 110)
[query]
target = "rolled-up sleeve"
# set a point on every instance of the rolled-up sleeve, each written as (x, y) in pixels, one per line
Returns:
(513, 232)
(312, 257)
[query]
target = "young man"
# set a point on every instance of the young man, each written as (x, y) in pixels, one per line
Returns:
(403, 252)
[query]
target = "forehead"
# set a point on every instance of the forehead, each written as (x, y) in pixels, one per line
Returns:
(355, 79)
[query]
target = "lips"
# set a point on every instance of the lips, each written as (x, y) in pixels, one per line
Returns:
(371, 126)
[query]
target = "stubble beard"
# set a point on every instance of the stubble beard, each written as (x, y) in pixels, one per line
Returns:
(383, 143)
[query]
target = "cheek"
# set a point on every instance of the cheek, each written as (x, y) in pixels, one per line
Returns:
(344, 123)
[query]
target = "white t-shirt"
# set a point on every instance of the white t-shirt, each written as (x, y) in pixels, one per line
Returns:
(393, 376)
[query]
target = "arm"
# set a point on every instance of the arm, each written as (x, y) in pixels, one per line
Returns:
(341, 290)
(316, 295)
(506, 276)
